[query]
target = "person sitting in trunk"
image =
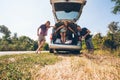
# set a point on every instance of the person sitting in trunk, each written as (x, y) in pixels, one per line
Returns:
(65, 29)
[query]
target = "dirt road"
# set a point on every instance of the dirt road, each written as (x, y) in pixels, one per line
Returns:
(81, 67)
(18, 52)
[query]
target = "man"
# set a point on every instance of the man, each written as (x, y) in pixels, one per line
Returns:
(84, 33)
(41, 33)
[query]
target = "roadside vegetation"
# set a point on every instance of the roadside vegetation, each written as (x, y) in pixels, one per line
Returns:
(24, 66)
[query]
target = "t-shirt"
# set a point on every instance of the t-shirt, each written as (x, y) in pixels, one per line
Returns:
(84, 32)
(43, 30)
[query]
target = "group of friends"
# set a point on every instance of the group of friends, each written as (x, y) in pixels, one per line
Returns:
(64, 31)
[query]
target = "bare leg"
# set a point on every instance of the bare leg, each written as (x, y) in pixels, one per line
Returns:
(40, 45)
(62, 37)
(39, 42)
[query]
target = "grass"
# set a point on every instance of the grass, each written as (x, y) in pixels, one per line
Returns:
(115, 53)
(102, 65)
(96, 67)
(24, 66)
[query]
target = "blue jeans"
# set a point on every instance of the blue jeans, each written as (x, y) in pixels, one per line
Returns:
(89, 44)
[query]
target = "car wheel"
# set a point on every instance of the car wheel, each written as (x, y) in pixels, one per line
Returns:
(51, 50)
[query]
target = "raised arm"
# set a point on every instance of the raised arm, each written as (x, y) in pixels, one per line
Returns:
(72, 30)
(59, 28)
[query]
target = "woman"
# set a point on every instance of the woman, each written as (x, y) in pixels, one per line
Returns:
(41, 33)
(63, 29)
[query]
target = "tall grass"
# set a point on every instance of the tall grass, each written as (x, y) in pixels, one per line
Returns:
(96, 69)
(115, 53)
(108, 52)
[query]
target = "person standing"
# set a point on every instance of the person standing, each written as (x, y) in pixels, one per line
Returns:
(84, 34)
(41, 33)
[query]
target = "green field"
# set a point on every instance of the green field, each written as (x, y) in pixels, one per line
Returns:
(24, 66)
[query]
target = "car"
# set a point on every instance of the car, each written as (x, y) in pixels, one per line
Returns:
(66, 11)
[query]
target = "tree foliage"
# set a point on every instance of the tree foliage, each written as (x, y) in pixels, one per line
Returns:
(15, 43)
(116, 8)
(5, 31)
(46, 46)
(98, 41)
(113, 27)
(111, 41)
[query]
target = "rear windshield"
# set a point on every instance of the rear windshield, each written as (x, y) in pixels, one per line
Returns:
(67, 10)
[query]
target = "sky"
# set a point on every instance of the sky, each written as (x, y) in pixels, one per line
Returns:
(25, 16)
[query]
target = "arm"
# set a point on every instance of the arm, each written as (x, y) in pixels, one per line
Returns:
(80, 39)
(38, 31)
(88, 32)
(59, 28)
(71, 30)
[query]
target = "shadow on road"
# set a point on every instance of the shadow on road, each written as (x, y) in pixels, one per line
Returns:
(67, 53)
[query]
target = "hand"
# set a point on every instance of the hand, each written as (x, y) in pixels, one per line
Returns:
(75, 33)
(37, 34)
(83, 37)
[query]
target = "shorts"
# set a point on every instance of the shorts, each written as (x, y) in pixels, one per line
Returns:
(63, 30)
(41, 38)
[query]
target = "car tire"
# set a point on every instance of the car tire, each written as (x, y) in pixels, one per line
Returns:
(51, 50)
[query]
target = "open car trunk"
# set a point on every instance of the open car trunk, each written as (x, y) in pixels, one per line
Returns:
(67, 9)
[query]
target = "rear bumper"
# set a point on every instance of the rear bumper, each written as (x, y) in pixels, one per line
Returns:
(64, 47)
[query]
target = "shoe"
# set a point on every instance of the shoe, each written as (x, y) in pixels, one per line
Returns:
(36, 52)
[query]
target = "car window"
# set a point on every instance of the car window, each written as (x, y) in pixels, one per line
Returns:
(67, 10)
(63, 15)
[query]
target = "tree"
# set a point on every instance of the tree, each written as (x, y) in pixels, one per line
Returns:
(15, 36)
(116, 8)
(46, 46)
(113, 27)
(25, 43)
(98, 40)
(112, 40)
(5, 31)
